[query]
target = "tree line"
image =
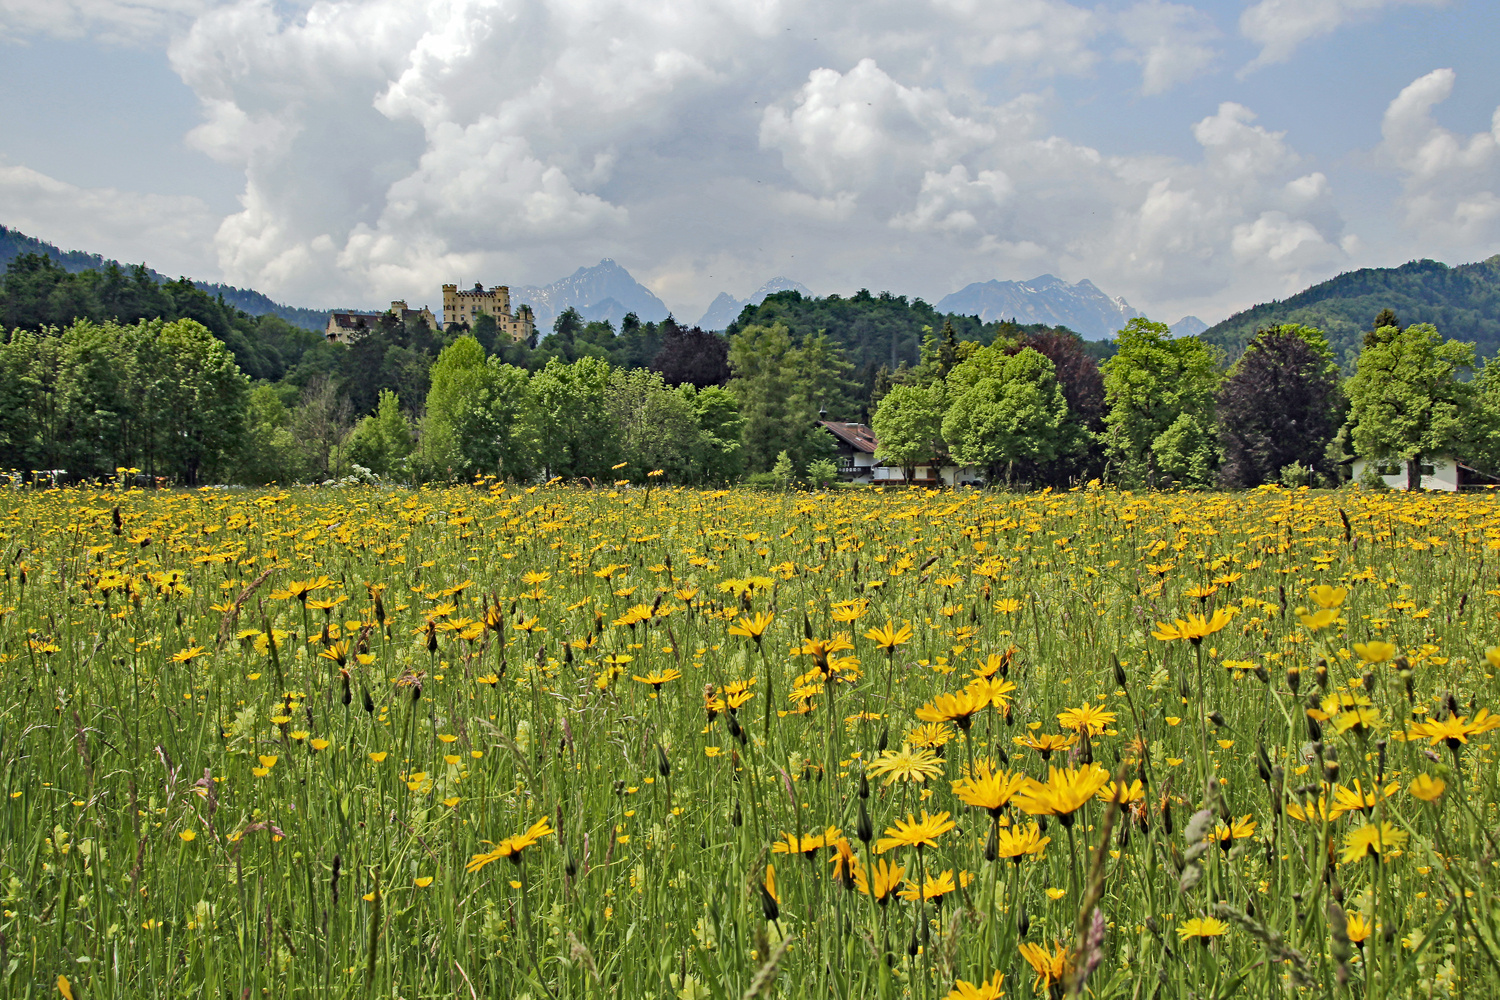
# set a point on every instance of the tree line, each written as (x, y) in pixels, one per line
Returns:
(1024, 404)
(1165, 411)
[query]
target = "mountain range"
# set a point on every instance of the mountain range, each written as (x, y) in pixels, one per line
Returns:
(726, 308)
(1463, 302)
(14, 243)
(605, 291)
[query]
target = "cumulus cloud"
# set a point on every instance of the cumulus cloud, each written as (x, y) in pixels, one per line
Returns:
(990, 181)
(1172, 42)
(390, 145)
(1279, 26)
(1450, 182)
(107, 221)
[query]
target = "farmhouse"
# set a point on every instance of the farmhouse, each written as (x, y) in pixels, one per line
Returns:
(347, 327)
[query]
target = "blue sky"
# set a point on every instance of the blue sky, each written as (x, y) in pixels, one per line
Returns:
(1190, 157)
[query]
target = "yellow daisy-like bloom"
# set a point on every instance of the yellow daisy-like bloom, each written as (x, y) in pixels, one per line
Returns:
(1045, 743)
(752, 626)
(1374, 651)
(1227, 833)
(1066, 791)
(511, 847)
(1194, 628)
(987, 788)
(1380, 839)
(935, 886)
(912, 832)
(1017, 842)
(930, 735)
(1202, 928)
(956, 708)
(1328, 597)
(1455, 729)
(1131, 792)
(996, 689)
(987, 989)
(1427, 788)
(806, 844)
(882, 882)
(1050, 966)
(906, 764)
(657, 679)
(1086, 718)
(1317, 620)
(889, 637)
(187, 655)
(1356, 799)
(1357, 928)
(849, 612)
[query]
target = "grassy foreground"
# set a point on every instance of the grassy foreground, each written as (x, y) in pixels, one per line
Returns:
(554, 743)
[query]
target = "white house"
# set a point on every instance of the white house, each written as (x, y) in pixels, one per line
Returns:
(1443, 473)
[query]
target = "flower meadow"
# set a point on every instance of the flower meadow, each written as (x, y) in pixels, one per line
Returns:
(550, 742)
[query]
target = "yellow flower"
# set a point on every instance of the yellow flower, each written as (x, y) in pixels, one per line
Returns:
(1050, 966)
(1202, 928)
(912, 832)
(988, 989)
(657, 679)
(187, 655)
(1317, 620)
(1374, 651)
(1194, 628)
(319, 744)
(1056, 894)
(511, 847)
(379, 756)
(1092, 719)
(1066, 791)
(1427, 788)
(188, 836)
(422, 881)
(752, 626)
(957, 708)
(889, 637)
(1380, 839)
(64, 987)
(987, 788)
(906, 764)
(883, 880)
(1329, 597)
(1357, 929)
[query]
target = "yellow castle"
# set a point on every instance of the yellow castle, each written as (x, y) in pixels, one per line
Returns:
(465, 306)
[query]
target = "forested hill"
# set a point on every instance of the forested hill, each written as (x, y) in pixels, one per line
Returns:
(876, 332)
(14, 243)
(1462, 302)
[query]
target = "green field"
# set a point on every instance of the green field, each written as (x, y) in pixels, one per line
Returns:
(553, 742)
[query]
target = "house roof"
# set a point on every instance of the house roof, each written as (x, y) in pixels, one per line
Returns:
(355, 321)
(857, 436)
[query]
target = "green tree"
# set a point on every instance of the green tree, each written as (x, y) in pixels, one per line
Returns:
(781, 390)
(1152, 381)
(269, 453)
(908, 426)
(718, 455)
(1006, 408)
(1406, 400)
(383, 441)
(575, 435)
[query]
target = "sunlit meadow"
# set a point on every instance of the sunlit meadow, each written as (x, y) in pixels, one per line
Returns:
(553, 742)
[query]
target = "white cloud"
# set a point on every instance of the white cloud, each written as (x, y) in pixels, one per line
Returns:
(389, 145)
(107, 221)
(1450, 182)
(1172, 42)
(1279, 26)
(110, 20)
(990, 184)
